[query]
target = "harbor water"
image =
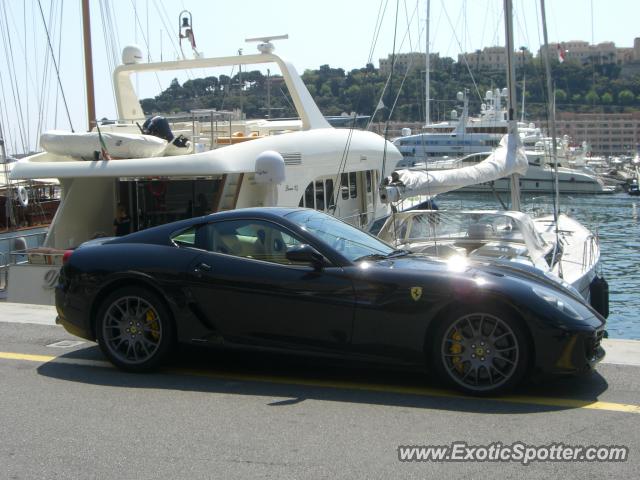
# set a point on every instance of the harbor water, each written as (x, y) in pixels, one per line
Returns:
(616, 220)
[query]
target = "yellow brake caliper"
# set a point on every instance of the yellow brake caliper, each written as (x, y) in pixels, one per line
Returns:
(152, 321)
(456, 349)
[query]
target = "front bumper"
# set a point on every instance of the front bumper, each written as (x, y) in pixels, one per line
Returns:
(573, 352)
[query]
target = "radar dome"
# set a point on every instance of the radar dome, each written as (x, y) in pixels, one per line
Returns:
(270, 168)
(131, 54)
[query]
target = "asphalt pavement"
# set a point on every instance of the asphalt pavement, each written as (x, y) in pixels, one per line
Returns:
(66, 413)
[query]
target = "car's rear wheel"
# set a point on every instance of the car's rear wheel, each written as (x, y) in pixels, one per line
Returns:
(134, 329)
(482, 351)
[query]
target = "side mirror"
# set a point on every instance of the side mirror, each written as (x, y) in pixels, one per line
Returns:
(304, 253)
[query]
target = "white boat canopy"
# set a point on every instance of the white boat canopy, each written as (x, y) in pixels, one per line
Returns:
(507, 159)
(194, 165)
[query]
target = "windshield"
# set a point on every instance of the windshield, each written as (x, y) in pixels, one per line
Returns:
(346, 239)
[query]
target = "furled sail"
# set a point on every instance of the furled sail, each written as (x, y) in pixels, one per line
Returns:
(508, 158)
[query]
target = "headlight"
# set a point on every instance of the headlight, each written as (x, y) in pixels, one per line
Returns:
(557, 302)
(567, 285)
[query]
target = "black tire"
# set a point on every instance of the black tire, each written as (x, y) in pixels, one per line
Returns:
(480, 350)
(134, 329)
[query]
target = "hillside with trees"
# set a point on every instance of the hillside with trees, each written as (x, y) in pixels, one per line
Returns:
(579, 88)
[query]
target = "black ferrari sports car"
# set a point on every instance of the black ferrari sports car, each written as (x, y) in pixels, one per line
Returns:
(300, 281)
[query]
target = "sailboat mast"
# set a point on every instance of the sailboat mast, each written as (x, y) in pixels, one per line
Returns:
(512, 127)
(88, 65)
(551, 98)
(427, 111)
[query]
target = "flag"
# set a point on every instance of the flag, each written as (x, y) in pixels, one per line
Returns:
(560, 54)
(380, 105)
(103, 145)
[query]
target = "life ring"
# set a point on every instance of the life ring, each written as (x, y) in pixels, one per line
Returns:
(157, 189)
(23, 196)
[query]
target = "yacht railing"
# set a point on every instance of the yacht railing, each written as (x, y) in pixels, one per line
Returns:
(590, 252)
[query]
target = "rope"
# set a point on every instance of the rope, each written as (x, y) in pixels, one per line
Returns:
(13, 81)
(64, 99)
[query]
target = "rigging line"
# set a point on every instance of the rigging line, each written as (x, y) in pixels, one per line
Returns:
(46, 80)
(464, 57)
(377, 28)
(64, 99)
(523, 27)
(551, 113)
(384, 89)
(24, 25)
(406, 17)
(104, 20)
(108, 25)
(13, 80)
(42, 77)
(115, 40)
(43, 93)
(393, 62)
(484, 25)
(144, 37)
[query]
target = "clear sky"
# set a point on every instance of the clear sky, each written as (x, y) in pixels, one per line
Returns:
(336, 32)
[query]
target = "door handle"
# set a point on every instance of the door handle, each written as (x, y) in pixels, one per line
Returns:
(202, 267)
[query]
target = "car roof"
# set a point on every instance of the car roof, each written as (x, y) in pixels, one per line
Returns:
(160, 234)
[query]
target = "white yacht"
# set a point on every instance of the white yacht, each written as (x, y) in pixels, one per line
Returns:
(463, 135)
(308, 163)
(541, 177)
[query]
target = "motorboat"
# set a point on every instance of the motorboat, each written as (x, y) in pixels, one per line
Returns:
(308, 163)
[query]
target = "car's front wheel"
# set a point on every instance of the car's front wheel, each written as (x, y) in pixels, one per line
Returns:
(134, 329)
(482, 351)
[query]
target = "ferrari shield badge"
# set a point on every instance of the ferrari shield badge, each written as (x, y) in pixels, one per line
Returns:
(416, 293)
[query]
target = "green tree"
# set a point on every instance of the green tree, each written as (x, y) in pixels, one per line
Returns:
(592, 97)
(607, 98)
(626, 97)
(561, 96)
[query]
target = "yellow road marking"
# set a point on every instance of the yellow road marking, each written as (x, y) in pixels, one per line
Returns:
(371, 387)
(24, 356)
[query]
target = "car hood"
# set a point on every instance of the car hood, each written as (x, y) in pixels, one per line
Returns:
(465, 266)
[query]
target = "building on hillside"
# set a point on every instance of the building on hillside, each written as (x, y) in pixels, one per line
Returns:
(407, 61)
(492, 58)
(606, 133)
(602, 53)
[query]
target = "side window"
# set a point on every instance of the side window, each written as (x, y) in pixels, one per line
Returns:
(255, 239)
(308, 196)
(344, 186)
(186, 238)
(331, 202)
(353, 185)
(368, 174)
(319, 195)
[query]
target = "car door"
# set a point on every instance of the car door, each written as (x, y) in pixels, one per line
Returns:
(250, 293)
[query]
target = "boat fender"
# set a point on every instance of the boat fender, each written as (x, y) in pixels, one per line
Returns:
(23, 196)
(599, 293)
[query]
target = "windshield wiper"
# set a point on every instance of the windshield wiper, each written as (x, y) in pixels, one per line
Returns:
(398, 253)
(380, 256)
(372, 256)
